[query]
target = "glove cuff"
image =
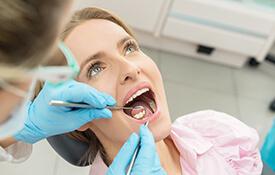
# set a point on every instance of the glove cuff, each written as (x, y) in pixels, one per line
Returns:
(29, 133)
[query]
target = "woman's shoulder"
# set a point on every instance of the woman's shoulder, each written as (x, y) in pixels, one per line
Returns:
(205, 115)
(227, 137)
(210, 123)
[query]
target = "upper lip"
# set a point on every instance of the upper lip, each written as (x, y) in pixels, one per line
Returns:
(136, 88)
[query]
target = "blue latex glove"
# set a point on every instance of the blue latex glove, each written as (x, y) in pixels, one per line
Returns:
(44, 120)
(147, 161)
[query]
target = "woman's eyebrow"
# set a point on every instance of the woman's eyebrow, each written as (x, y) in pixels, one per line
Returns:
(97, 55)
(122, 41)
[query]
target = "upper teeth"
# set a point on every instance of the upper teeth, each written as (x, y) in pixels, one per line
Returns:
(138, 93)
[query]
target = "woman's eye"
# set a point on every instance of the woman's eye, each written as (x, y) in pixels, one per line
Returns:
(129, 50)
(96, 70)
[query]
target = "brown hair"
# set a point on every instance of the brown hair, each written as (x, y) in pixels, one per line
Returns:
(88, 136)
(28, 30)
(90, 13)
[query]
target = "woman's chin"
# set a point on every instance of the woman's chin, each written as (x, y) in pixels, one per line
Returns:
(161, 131)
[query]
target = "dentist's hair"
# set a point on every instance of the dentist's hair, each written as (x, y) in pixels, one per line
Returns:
(28, 31)
(77, 19)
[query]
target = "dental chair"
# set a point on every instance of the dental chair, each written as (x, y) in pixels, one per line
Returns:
(69, 149)
(72, 151)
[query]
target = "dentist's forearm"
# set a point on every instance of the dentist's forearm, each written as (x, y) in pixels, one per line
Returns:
(7, 142)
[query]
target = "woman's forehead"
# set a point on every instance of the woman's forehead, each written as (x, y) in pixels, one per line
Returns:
(97, 29)
(94, 36)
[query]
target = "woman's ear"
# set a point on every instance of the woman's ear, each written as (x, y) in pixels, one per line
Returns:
(84, 127)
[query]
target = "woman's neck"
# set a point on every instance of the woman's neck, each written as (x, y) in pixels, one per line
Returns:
(169, 157)
(168, 154)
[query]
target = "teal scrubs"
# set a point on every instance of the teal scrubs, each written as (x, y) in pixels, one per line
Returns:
(268, 149)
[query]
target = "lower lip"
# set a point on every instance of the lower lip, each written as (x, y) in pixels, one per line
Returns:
(152, 117)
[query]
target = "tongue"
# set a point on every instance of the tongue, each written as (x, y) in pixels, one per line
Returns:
(145, 105)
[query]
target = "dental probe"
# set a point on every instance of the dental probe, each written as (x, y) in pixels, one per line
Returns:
(135, 153)
(82, 105)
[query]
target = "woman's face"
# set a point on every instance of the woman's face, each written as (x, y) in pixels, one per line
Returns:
(112, 63)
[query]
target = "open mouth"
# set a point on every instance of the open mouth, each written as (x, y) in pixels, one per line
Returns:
(144, 98)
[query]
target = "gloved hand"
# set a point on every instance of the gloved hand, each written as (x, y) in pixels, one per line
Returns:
(147, 161)
(44, 120)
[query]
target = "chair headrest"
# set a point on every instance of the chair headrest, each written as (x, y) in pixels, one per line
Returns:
(69, 149)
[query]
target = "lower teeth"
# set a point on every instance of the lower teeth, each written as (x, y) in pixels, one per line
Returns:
(140, 115)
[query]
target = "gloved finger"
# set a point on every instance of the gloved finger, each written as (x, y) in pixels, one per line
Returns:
(91, 114)
(146, 155)
(76, 118)
(94, 93)
(109, 99)
(157, 169)
(157, 161)
(124, 156)
(80, 92)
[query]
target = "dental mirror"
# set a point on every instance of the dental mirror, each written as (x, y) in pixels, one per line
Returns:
(138, 112)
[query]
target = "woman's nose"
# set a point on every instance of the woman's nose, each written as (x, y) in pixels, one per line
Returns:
(129, 71)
